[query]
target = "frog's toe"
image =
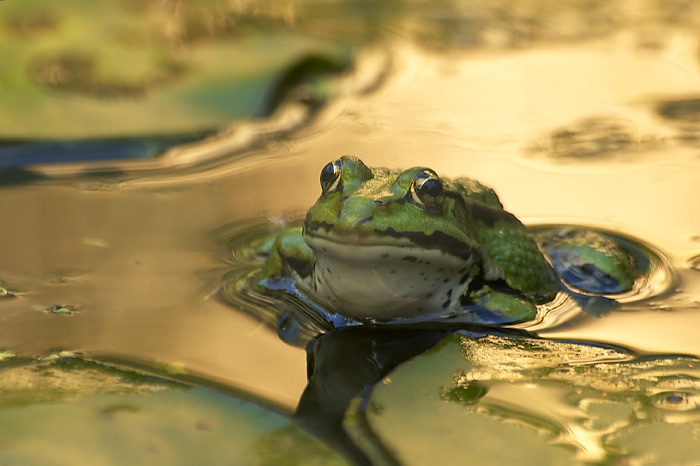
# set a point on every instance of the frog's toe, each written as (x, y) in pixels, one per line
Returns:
(503, 308)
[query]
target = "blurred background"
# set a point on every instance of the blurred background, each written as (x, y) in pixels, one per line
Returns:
(136, 137)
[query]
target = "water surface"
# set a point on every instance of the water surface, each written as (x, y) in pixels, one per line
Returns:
(593, 125)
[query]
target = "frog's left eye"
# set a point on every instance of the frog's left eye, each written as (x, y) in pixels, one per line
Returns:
(330, 177)
(426, 190)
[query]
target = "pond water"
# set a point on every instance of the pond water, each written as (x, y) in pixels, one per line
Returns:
(112, 269)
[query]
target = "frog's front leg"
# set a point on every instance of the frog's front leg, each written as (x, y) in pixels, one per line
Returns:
(289, 256)
(505, 307)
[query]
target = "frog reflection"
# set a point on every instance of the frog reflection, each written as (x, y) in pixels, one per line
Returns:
(375, 393)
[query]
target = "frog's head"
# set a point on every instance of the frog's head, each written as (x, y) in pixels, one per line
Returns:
(390, 241)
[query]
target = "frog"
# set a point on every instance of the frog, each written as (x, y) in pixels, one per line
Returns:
(387, 245)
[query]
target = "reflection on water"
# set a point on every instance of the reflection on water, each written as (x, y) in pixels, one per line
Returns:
(124, 259)
(498, 397)
(609, 404)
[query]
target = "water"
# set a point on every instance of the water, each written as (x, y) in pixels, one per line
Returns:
(587, 118)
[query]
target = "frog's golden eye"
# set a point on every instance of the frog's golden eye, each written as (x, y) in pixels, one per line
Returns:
(426, 190)
(330, 177)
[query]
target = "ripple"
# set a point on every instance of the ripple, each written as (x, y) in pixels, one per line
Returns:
(561, 309)
(656, 278)
(295, 320)
(651, 269)
(247, 242)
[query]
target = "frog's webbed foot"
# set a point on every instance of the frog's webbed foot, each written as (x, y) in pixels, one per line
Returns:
(589, 261)
(288, 255)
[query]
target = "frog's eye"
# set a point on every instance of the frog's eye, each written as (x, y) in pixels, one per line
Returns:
(426, 190)
(330, 177)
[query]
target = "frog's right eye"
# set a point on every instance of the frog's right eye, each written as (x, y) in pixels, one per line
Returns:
(330, 177)
(426, 191)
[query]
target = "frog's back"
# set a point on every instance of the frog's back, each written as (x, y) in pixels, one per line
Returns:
(474, 191)
(506, 242)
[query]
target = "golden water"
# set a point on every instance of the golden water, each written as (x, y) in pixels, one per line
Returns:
(566, 133)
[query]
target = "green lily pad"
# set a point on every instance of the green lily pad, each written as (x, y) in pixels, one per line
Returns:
(76, 412)
(96, 69)
(498, 400)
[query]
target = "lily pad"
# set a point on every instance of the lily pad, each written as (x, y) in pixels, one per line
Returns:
(527, 401)
(97, 69)
(76, 412)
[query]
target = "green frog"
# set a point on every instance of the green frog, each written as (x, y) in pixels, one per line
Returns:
(383, 245)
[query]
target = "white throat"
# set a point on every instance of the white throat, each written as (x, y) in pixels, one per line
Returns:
(386, 282)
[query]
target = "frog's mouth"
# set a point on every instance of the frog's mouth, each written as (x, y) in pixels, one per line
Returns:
(373, 251)
(323, 241)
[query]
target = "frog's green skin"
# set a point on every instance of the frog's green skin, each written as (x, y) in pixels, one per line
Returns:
(389, 245)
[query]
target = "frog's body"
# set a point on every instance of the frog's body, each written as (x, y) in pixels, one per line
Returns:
(386, 245)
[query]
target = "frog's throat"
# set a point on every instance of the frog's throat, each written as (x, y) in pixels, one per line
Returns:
(385, 282)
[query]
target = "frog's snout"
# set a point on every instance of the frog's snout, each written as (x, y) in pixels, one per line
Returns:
(357, 208)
